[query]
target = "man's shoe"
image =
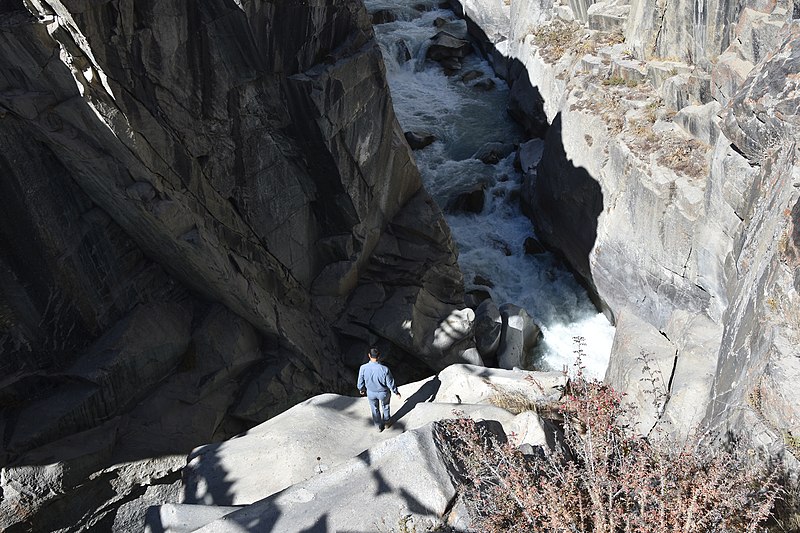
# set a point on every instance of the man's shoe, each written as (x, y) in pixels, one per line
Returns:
(380, 428)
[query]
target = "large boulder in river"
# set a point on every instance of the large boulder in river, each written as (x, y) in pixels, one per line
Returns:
(488, 329)
(492, 152)
(444, 45)
(419, 139)
(520, 335)
(383, 16)
(469, 201)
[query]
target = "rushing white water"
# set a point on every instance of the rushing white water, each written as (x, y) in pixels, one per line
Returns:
(490, 243)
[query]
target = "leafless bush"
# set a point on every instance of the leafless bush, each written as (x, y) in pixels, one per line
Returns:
(606, 479)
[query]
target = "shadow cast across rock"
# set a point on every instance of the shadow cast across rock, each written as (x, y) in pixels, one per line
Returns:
(426, 393)
(564, 203)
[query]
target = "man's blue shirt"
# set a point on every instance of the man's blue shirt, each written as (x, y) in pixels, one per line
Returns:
(376, 378)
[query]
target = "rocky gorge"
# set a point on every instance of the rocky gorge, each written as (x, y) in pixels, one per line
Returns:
(211, 211)
(669, 182)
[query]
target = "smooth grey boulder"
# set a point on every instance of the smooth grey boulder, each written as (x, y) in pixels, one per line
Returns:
(470, 384)
(471, 75)
(405, 477)
(183, 518)
(471, 356)
(131, 514)
(310, 438)
(519, 336)
(458, 28)
(454, 330)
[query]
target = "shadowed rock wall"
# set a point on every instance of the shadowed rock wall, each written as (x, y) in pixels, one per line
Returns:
(192, 191)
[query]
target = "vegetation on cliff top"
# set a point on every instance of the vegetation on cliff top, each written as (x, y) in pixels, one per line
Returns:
(603, 477)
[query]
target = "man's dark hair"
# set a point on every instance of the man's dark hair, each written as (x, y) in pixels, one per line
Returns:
(374, 352)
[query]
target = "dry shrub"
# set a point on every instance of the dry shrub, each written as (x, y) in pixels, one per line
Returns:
(605, 479)
(685, 157)
(556, 38)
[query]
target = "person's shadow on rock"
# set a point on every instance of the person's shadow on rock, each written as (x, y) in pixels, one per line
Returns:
(426, 393)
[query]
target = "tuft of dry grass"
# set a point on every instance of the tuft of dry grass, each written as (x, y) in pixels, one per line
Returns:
(514, 402)
(684, 157)
(556, 39)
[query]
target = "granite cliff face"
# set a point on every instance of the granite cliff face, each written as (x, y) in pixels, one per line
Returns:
(192, 193)
(670, 184)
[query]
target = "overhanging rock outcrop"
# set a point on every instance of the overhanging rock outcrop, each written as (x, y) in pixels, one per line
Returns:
(672, 136)
(207, 182)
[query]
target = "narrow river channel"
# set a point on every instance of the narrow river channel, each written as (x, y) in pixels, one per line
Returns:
(464, 116)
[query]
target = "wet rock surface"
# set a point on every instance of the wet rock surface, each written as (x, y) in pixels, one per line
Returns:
(419, 139)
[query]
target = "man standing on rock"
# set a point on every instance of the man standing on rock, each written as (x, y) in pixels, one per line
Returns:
(376, 382)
